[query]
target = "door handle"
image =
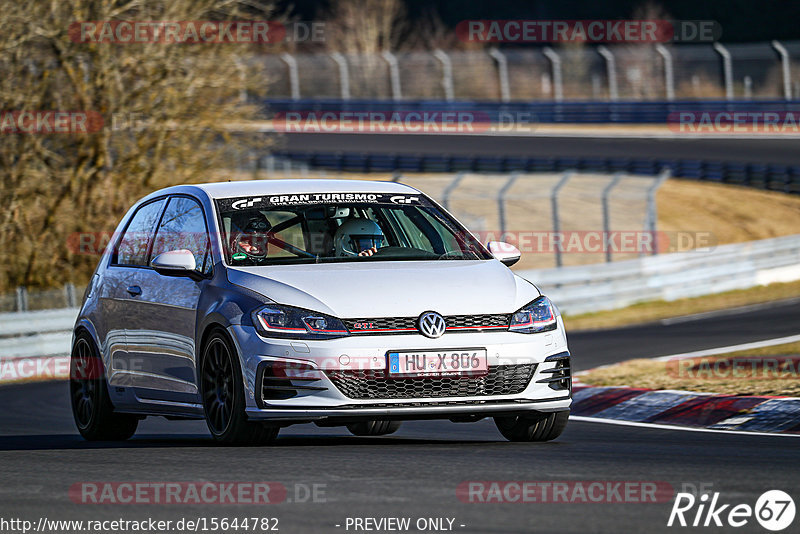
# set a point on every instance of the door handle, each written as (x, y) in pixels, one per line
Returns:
(135, 291)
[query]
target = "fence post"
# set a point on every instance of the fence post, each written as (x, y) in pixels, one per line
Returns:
(651, 219)
(344, 76)
(607, 213)
(501, 202)
(449, 189)
(242, 79)
(447, 73)
(502, 73)
(22, 299)
(727, 69)
(611, 72)
(394, 74)
(69, 293)
(556, 221)
(669, 75)
(785, 68)
(558, 81)
(294, 76)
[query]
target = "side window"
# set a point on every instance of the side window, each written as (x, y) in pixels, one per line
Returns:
(132, 248)
(183, 226)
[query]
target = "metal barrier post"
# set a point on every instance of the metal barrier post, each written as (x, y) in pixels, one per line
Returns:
(449, 189)
(394, 74)
(611, 72)
(785, 68)
(558, 82)
(607, 213)
(447, 73)
(556, 221)
(344, 76)
(501, 201)
(22, 299)
(669, 75)
(651, 219)
(502, 73)
(727, 69)
(69, 293)
(294, 76)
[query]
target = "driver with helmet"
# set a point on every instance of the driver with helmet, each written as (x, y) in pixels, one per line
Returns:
(252, 239)
(358, 237)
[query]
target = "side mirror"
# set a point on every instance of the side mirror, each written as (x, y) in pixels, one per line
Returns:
(174, 263)
(508, 254)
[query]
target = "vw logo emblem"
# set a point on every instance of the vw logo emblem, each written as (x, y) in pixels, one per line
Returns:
(431, 324)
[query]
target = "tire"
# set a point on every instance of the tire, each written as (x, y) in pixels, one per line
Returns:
(545, 427)
(373, 428)
(222, 392)
(91, 406)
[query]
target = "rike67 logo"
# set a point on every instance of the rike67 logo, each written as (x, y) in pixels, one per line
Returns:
(774, 510)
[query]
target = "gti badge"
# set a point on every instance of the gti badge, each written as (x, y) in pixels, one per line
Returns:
(431, 324)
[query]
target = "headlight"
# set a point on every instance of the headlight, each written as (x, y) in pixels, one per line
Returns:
(538, 316)
(275, 320)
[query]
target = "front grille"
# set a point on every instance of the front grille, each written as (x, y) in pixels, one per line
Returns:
(375, 384)
(408, 325)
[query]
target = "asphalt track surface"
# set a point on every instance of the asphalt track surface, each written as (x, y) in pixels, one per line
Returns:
(415, 472)
(773, 151)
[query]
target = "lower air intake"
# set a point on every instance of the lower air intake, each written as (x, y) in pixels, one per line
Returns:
(369, 384)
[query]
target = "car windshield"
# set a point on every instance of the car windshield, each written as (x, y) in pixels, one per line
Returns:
(341, 227)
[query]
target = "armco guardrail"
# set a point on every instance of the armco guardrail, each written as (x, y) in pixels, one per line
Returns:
(37, 333)
(577, 289)
(604, 286)
(784, 178)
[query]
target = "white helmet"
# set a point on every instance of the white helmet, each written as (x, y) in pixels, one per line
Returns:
(357, 235)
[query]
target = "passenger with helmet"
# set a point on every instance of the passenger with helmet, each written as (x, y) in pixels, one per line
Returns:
(252, 237)
(358, 237)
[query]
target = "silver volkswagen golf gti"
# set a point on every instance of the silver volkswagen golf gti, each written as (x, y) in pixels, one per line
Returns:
(257, 305)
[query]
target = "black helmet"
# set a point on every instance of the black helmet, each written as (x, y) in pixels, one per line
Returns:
(250, 237)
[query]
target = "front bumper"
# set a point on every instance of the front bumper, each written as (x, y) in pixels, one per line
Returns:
(320, 399)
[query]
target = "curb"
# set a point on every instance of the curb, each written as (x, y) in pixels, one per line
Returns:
(688, 408)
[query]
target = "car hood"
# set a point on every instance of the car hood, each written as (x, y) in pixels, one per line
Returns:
(391, 289)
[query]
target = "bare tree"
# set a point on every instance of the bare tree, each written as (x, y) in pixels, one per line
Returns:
(365, 26)
(363, 29)
(169, 112)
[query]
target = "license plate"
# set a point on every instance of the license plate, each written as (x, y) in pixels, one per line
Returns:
(438, 363)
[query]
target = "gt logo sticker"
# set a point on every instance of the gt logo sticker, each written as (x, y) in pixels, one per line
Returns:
(402, 199)
(245, 203)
